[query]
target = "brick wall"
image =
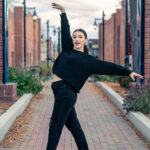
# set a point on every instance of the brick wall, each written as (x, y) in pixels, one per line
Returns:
(29, 39)
(36, 42)
(11, 46)
(117, 54)
(100, 41)
(147, 42)
(39, 41)
(1, 41)
(122, 34)
(33, 40)
(114, 37)
(109, 39)
(19, 36)
(16, 39)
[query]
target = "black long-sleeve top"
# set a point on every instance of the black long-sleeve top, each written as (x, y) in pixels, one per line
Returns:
(74, 66)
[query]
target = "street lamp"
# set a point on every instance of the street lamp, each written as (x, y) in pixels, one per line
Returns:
(90, 45)
(95, 22)
(103, 25)
(34, 12)
(54, 31)
(34, 17)
(127, 43)
(5, 42)
(58, 30)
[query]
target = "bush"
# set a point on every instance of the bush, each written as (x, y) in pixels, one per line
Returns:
(105, 78)
(139, 100)
(26, 80)
(122, 80)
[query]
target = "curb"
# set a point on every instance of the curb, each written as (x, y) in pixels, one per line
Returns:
(7, 119)
(138, 119)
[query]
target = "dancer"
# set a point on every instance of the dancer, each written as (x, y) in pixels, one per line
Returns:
(71, 69)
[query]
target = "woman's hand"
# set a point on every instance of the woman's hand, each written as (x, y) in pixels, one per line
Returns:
(57, 6)
(134, 74)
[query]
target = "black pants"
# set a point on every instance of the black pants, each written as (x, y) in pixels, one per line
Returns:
(64, 114)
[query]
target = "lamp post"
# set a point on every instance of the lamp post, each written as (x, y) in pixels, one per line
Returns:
(103, 19)
(90, 45)
(24, 33)
(34, 12)
(103, 25)
(54, 31)
(127, 56)
(54, 47)
(5, 42)
(34, 17)
(58, 30)
(48, 47)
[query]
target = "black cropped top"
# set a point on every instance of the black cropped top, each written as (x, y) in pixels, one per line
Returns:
(74, 66)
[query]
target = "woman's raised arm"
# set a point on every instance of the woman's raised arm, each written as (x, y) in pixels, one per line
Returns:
(66, 39)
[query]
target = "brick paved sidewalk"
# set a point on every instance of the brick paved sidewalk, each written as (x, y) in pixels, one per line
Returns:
(104, 129)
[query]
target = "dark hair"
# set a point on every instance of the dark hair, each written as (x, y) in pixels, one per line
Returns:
(86, 50)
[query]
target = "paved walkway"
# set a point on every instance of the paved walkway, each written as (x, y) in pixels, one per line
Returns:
(104, 129)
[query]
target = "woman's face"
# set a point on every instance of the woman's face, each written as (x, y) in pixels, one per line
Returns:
(79, 40)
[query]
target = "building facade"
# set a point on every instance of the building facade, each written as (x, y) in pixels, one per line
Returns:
(16, 38)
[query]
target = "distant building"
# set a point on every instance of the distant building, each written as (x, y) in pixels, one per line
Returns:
(44, 50)
(93, 47)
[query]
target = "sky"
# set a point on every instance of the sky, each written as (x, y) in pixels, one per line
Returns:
(80, 13)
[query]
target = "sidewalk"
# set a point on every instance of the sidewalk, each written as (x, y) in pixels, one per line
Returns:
(104, 129)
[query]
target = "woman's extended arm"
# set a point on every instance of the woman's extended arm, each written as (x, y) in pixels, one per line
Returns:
(109, 68)
(66, 39)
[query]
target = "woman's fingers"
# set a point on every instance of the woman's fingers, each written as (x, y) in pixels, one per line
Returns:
(133, 75)
(57, 6)
(138, 75)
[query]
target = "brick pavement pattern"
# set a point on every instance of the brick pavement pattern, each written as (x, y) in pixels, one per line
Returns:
(104, 130)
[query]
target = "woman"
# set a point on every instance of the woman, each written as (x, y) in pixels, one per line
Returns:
(71, 69)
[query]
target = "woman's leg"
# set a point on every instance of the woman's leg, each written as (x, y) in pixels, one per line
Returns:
(72, 123)
(64, 102)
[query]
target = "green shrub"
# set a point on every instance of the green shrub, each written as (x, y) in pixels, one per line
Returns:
(105, 78)
(138, 100)
(122, 80)
(26, 80)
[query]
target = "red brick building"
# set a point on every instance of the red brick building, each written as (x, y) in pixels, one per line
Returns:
(16, 38)
(114, 38)
(147, 42)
